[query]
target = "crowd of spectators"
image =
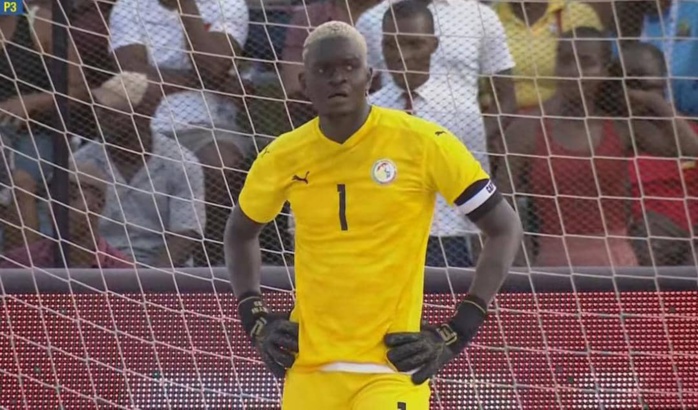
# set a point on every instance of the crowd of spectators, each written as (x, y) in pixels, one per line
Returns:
(581, 111)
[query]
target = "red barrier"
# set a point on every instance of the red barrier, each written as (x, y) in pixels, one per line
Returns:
(162, 351)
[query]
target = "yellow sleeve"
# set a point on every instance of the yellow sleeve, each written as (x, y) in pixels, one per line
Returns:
(263, 194)
(452, 171)
(581, 15)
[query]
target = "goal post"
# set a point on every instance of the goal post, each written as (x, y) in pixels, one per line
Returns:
(157, 339)
(569, 337)
(277, 278)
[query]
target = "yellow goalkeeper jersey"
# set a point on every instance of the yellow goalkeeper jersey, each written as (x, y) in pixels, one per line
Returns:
(363, 211)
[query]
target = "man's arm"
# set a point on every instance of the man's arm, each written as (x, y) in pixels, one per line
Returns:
(274, 336)
(214, 48)
(179, 247)
(452, 171)
(503, 233)
(243, 256)
(127, 40)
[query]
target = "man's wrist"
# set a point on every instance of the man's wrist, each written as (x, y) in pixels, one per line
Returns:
(469, 316)
(251, 308)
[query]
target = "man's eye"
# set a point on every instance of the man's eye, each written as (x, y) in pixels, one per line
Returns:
(350, 67)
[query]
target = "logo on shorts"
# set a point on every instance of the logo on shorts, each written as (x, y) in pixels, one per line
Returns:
(384, 171)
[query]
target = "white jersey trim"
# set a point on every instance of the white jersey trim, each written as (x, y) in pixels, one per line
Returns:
(350, 367)
(478, 199)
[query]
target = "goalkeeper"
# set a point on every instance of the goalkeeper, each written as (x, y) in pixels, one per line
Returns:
(362, 183)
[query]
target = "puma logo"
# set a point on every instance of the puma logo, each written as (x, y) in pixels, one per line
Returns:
(304, 179)
(439, 133)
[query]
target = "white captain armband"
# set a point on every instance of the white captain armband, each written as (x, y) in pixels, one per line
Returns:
(478, 199)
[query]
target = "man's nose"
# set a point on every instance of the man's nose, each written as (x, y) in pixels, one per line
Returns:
(337, 76)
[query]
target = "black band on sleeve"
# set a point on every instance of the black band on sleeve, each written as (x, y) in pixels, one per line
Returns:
(486, 206)
(471, 191)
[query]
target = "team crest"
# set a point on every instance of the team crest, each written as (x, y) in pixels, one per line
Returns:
(384, 171)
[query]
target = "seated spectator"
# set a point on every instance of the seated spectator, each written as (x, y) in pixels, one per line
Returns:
(190, 52)
(155, 201)
(89, 32)
(472, 43)
(672, 26)
(532, 29)
(305, 18)
(187, 48)
(408, 56)
(87, 249)
(574, 167)
(668, 186)
(27, 111)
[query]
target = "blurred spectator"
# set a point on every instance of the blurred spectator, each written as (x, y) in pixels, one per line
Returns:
(26, 112)
(472, 43)
(412, 88)
(87, 248)
(668, 186)
(304, 19)
(672, 26)
(574, 167)
(532, 29)
(155, 201)
(188, 47)
(89, 32)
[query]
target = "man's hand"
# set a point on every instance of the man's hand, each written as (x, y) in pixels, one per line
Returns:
(427, 351)
(649, 104)
(12, 112)
(272, 334)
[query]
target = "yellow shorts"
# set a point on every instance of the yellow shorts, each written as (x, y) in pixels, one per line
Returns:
(353, 391)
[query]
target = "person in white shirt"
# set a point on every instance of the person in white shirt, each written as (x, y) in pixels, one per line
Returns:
(154, 209)
(472, 43)
(411, 86)
(189, 46)
(187, 50)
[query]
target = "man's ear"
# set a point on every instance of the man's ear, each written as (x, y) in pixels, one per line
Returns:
(301, 81)
(434, 43)
(369, 78)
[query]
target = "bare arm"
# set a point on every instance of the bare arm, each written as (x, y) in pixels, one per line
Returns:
(243, 256)
(664, 134)
(213, 52)
(77, 85)
(503, 234)
(134, 57)
(178, 249)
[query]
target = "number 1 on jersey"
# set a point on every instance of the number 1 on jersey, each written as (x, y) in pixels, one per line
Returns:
(342, 189)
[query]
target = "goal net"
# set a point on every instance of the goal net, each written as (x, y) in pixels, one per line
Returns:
(113, 291)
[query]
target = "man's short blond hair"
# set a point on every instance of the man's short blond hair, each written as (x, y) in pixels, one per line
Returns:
(335, 29)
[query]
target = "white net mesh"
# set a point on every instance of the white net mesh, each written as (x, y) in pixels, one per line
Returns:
(602, 177)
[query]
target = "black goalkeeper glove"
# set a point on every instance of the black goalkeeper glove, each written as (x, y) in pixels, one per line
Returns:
(272, 334)
(427, 351)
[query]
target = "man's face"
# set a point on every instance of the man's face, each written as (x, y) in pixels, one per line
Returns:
(580, 62)
(336, 77)
(408, 44)
(117, 128)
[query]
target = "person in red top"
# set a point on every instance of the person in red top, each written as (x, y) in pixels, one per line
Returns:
(87, 248)
(572, 164)
(667, 187)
